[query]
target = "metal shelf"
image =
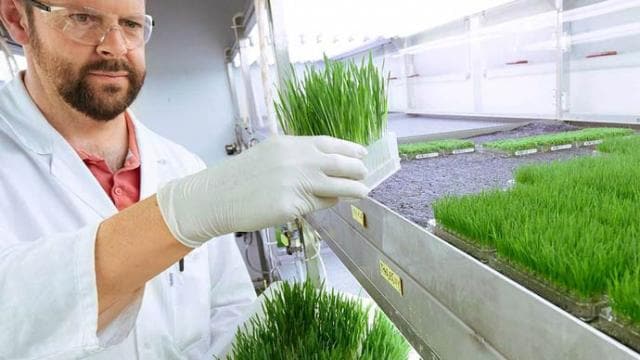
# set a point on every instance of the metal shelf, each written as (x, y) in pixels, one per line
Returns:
(453, 306)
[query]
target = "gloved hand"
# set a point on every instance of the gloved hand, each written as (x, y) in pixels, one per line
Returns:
(272, 183)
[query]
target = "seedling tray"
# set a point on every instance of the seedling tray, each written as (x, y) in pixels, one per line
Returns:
(557, 147)
(516, 153)
(420, 156)
(618, 329)
(586, 311)
(484, 254)
(437, 154)
(382, 161)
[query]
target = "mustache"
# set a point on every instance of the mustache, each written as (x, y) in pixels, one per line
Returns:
(109, 66)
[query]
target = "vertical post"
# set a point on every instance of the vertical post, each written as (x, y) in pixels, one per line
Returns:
(280, 40)
(409, 69)
(246, 77)
(232, 87)
(563, 63)
(475, 60)
(262, 20)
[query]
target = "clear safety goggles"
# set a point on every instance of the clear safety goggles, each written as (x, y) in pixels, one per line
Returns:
(90, 27)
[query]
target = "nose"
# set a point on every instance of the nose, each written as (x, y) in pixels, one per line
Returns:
(113, 45)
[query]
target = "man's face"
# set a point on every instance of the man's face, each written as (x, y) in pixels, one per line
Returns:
(99, 81)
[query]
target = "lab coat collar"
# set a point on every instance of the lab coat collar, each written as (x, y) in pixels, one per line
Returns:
(26, 120)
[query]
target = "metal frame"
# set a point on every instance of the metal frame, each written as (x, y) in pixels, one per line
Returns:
(452, 304)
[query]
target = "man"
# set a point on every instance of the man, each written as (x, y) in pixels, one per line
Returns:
(89, 256)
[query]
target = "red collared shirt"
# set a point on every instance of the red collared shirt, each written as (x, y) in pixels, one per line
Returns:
(123, 186)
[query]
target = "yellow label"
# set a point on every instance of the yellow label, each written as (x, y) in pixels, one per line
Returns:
(394, 280)
(358, 216)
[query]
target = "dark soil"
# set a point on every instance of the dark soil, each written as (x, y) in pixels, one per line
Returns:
(412, 190)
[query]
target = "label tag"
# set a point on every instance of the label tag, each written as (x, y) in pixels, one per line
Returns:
(392, 278)
(561, 147)
(427, 156)
(526, 152)
(592, 142)
(359, 216)
(463, 151)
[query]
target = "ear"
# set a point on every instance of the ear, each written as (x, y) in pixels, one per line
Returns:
(14, 18)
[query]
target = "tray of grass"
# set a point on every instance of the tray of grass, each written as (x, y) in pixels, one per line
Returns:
(584, 309)
(554, 142)
(484, 254)
(565, 229)
(430, 149)
(343, 100)
(623, 331)
(298, 321)
(622, 319)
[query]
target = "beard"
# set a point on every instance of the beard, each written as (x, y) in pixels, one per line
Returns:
(99, 102)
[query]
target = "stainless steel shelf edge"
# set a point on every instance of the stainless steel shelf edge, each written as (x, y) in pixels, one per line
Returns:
(452, 303)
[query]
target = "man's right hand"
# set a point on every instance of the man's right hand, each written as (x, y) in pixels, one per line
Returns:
(272, 183)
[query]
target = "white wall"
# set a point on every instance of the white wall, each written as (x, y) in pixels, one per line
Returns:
(186, 97)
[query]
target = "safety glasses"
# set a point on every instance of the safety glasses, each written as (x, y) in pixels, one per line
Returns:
(90, 27)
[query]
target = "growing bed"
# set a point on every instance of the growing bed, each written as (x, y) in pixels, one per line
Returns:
(578, 237)
(431, 149)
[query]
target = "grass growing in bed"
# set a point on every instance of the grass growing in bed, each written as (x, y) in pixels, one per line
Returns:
(574, 223)
(302, 322)
(569, 137)
(343, 100)
(436, 146)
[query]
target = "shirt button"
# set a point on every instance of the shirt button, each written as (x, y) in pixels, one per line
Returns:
(118, 191)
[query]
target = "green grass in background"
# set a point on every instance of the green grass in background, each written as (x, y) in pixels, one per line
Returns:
(573, 223)
(569, 137)
(342, 100)
(435, 146)
(302, 322)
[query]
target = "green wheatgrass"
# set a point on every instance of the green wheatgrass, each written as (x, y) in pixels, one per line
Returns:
(573, 223)
(569, 137)
(435, 146)
(301, 322)
(623, 293)
(343, 100)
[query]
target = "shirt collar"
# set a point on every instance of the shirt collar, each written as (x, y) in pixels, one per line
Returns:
(133, 156)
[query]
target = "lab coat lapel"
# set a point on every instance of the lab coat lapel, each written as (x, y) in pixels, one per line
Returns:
(36, 134)
(149, 160)
(75, 176)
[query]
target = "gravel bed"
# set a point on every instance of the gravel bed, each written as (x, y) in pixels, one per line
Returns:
(412, 190)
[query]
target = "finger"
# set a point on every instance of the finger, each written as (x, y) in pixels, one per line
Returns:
(329, 145)
(337, 187)
(344, 167)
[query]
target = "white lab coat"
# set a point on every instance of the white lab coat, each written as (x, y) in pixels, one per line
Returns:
(50, 206)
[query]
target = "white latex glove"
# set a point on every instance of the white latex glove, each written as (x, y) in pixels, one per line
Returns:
(272, 183)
